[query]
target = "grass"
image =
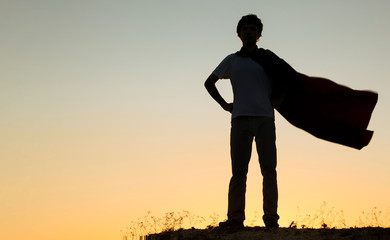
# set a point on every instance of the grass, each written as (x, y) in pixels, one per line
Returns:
(170, 221)
(325, 217)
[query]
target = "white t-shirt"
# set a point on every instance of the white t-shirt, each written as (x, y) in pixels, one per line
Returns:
(251, 86)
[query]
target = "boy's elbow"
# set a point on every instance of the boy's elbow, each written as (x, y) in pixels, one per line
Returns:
(206, 84)
(210, 82)
(209, 85)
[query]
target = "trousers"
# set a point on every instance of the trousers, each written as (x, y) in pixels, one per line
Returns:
(243, 131)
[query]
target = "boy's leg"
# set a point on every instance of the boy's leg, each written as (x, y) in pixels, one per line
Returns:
(266, 148)
(240, 149)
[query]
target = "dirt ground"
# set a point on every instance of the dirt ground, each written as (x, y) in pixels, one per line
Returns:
(259, 233)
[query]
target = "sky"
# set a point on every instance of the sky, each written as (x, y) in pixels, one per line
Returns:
(104, 115)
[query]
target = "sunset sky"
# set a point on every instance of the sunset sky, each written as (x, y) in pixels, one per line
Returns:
(104, 115)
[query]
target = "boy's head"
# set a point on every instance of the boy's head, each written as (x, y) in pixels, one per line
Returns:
(250, 19)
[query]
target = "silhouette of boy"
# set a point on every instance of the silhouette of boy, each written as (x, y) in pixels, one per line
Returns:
(252, 118)
(262, 81)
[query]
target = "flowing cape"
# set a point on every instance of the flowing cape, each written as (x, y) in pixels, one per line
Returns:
(317, 105)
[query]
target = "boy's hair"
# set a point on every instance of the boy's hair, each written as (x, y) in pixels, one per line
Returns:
(250, 19)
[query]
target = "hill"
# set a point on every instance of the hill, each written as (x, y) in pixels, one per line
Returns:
(260, 233)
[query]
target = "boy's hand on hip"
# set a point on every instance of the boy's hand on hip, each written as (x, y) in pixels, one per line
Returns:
(228, 107)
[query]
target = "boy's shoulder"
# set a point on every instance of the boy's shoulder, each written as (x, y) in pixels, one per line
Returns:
(262, 52)
(267, 52)
(229, 57)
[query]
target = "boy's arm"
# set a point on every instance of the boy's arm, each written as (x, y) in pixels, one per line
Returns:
(213, 91)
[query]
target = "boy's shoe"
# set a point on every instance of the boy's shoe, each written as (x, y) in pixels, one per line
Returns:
(231, 225)
(271, 223)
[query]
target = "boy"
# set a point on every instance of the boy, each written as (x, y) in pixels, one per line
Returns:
(261, 81)
(252, 118)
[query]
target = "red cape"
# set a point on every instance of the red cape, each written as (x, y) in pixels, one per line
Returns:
(319, 106)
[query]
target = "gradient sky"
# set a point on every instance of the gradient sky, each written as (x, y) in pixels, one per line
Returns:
(104, 115)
